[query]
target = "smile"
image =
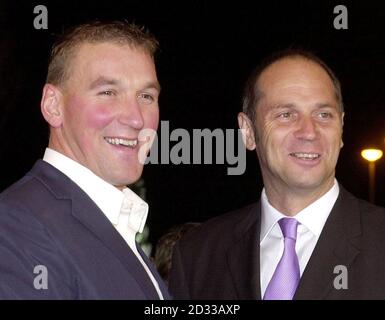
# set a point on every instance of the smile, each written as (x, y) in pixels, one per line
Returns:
(305, 156)
(122, 142)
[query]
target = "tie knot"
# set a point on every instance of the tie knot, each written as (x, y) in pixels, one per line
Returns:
(289, 227)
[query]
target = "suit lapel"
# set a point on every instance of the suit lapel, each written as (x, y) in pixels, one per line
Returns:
(95, 221)
(243, 255)
(334, 247)
(91, 217)
(155, 273)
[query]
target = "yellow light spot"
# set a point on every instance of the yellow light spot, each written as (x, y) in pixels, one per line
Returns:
(371, 154)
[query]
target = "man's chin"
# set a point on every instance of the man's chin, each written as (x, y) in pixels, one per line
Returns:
(134, 177)
(127, 179)
(306, 183)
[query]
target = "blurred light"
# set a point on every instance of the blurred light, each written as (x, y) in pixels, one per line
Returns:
(371, 154)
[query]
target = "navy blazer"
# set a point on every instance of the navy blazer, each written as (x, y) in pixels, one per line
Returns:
(47, 220)
(220, 259)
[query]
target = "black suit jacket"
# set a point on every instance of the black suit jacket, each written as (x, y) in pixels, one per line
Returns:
(220, 259)
(47, 220)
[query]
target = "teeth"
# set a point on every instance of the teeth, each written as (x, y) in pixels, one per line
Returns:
(123, 142)
(307, 156)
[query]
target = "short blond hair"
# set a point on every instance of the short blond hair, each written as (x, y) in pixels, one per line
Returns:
(120, 32)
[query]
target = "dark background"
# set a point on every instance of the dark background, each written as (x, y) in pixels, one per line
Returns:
(207, 52)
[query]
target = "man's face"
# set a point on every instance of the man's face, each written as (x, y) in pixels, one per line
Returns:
(299, 126)
(110, 95)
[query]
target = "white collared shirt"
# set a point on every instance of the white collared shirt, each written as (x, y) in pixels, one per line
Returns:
(110, 201)
(312, 220)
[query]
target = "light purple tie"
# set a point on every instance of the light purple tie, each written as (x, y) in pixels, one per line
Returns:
(284, 282)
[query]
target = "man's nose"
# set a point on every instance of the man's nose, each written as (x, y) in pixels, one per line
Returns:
(131, 114)
(307, 129)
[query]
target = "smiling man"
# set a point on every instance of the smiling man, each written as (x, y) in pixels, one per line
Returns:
(67, 229)
(307, 237)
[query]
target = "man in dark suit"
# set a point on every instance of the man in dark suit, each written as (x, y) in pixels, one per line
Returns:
(307, 237)
(67, 229)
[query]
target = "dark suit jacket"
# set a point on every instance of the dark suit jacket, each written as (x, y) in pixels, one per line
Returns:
(46, 219)
(220, 259)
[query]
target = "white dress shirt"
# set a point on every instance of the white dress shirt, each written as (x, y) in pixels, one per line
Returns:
(312, 220)
(125, 210)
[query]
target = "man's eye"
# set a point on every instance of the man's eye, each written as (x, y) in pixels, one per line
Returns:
(106, 93)
(325, 115)
(285, 115)
(147, 98)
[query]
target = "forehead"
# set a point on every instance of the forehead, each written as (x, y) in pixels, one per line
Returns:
(296, 75)
(110, 58)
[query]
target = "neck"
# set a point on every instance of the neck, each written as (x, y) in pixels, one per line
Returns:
(290, 201)
(55, 144)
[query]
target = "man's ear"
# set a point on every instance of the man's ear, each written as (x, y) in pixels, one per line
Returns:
(246, 127)
(342, 126)
(52, 105)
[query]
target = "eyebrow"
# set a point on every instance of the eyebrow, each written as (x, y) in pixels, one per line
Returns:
(152, 85)
(103, 81)
(293, 105)
(326, 105)
(283, 106)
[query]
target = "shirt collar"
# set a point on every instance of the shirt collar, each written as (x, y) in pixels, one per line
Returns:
(110, 200)
(313, 217)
